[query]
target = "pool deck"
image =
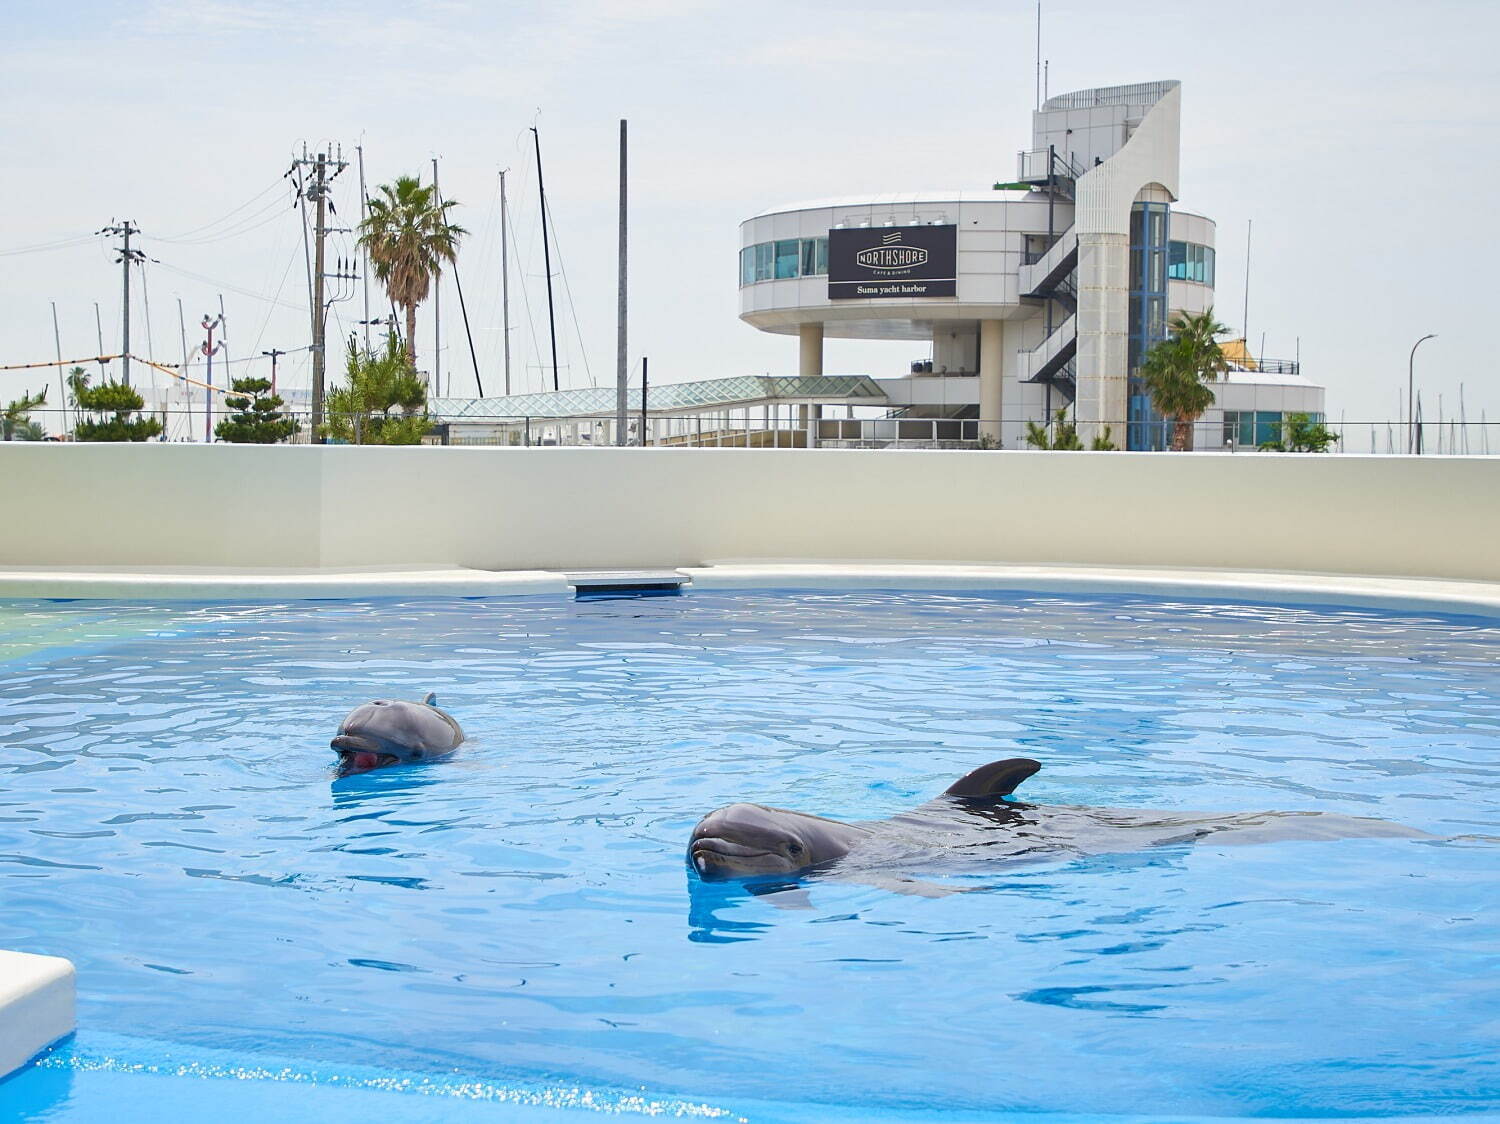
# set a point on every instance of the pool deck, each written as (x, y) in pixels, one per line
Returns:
(36, 1006)
(188, 583)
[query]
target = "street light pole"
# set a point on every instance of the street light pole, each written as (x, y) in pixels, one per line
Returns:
(1411, 409)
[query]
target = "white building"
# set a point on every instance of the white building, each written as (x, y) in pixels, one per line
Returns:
(1034, 295)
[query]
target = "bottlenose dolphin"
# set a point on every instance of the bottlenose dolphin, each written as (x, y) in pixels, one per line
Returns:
(391, 731)
(973, 822)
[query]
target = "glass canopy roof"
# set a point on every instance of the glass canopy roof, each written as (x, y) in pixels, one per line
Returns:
(703, 396)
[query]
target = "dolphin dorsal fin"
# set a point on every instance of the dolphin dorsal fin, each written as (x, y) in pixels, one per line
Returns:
(998, 778)
(429, 699)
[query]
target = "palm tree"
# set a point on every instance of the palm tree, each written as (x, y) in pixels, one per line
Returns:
(1177, 370)
(408, 236)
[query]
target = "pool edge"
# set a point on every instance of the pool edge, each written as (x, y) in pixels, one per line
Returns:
(37, 1006)
(1446, 595)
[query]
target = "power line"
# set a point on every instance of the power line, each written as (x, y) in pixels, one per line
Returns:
(224, 218)
(262, 218)
(226, 285)
(47, 247)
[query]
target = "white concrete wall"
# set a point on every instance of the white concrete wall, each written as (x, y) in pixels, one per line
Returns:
(519, 509)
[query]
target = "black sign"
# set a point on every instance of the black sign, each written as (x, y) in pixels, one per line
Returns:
(892, 261)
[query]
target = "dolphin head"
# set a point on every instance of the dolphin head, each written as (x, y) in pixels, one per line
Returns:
(391, 731)
(749, 840)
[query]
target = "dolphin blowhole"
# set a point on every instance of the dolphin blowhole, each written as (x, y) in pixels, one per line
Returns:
(387, 732)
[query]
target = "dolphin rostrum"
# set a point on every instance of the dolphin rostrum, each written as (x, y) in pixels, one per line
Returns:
(972, 821)
(392, 731)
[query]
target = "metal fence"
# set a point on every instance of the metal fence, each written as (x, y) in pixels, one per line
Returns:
(799, 427)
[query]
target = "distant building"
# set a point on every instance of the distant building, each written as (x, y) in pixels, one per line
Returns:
(1037, 294)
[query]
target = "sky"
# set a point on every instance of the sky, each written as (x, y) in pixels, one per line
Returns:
(1361, 139)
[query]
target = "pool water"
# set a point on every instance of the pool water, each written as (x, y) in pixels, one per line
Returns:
(520, 919)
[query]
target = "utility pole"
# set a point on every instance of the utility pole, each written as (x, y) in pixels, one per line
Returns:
(127, 255)
(546, 253)
(273, 353)
(437, 309)
(317, 192)
(210, 350)
(622, 370)
(505, 280)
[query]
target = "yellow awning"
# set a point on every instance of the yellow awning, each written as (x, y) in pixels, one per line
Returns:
(1238, 354)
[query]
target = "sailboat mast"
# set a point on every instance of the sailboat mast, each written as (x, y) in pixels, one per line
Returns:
(546, 253)
(437, 308)
(505, 280)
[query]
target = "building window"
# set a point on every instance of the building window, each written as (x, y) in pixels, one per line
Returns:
(1150, 257)
(809, 256)
(783, 259)
(1250, 429)
(1188, 261)
(1267, 426)
(788, 257)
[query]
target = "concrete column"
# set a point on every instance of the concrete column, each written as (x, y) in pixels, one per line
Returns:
(1103, 337)
(807, 421)
(810, 350)
(991, 378)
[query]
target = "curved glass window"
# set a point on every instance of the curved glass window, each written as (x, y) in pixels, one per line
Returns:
(785, 258)
(1188, 261)
(788, 255)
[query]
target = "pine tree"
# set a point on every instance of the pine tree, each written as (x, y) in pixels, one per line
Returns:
(14, 423)
(257, 417)
(383, 403)
(109, 398)
(1064, 436)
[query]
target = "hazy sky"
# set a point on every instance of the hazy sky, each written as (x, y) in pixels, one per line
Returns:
(1361, 138)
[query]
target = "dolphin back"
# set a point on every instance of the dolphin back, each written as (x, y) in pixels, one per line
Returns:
(998, 778)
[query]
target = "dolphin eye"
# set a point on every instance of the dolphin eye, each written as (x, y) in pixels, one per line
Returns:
(794, 848)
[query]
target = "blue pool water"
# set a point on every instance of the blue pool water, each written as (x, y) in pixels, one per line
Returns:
(517, 926)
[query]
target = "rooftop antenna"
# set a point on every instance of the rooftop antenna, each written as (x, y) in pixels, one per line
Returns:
(1245, 324)
(1039, 54)
(1046, 87)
